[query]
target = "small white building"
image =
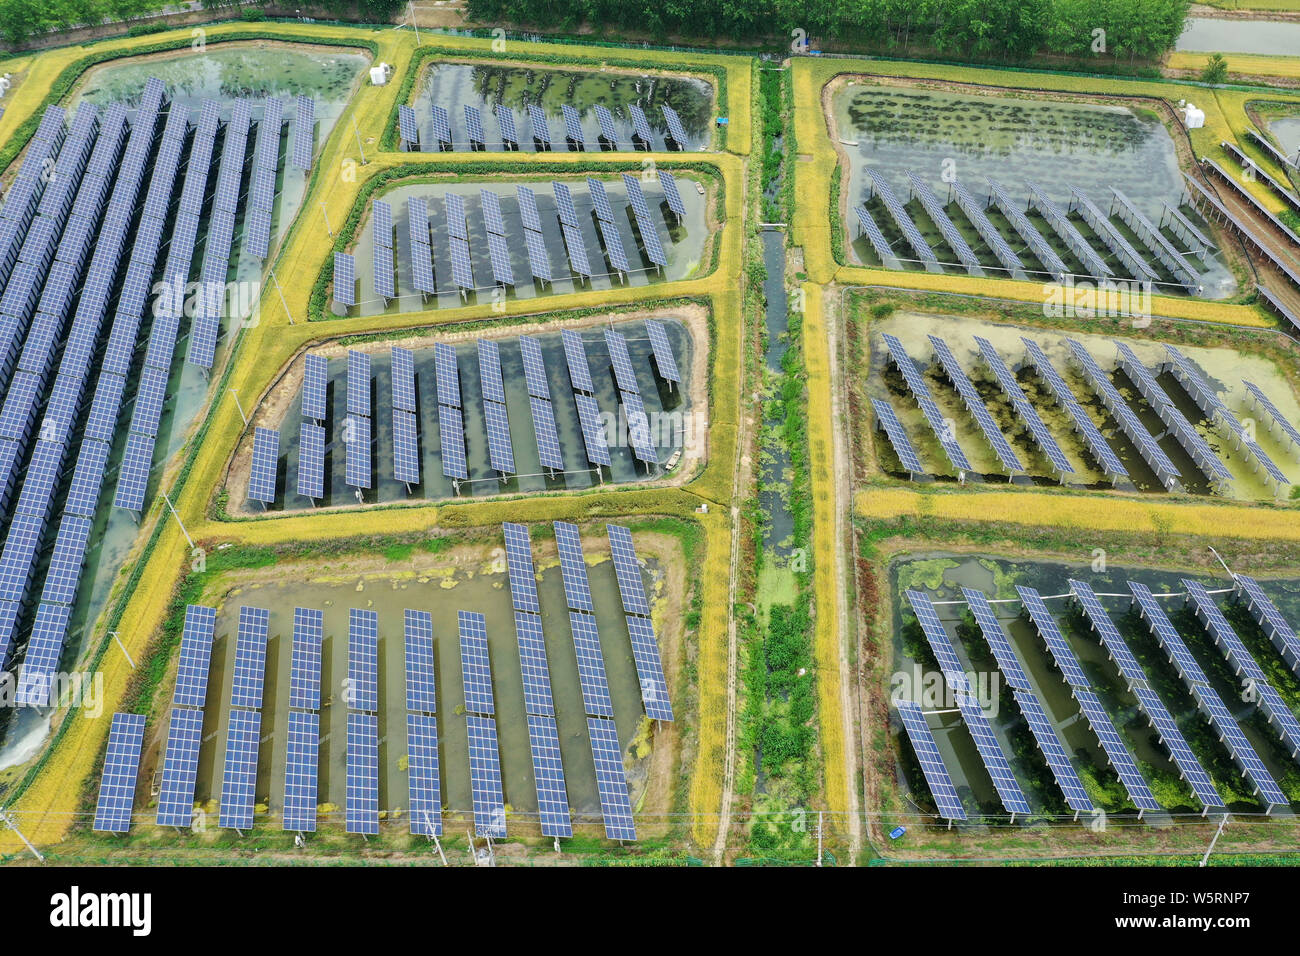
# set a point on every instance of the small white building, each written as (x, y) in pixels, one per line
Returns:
(379, 74)
(1193, 117)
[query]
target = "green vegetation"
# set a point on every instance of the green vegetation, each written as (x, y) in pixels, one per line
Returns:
(1216, 70)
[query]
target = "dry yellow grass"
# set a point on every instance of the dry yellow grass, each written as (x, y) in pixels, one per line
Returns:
(711, 663)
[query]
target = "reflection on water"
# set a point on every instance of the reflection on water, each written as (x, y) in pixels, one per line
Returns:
(1287, 131)
(1269, 37)
(454, 86)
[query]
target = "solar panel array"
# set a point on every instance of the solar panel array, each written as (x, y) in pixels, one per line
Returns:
(975, 405)
(611, 779)
(893, 428)
(606, 121)
(1118, 754)
(675, 128)
(1108, 633)
(1069, 234)
(239, 772)
(1155, 240)
(421, 687)
(249, 671)
(474, 127)
(645, 648)
(645, 223)
(262, 472)
(1189, 767)
(304, 131)
(305, 658)
(539, 401)
(640, 125)
(358, 427)
(1119, 246)
(1043, 252)
(1024, 410)
(1083, 424)
(872, 231)
(920, 248)
(665, 361)
(408, 127)
(485, 777)
(921, 392)
(990, 751)
(302, 750)
(573, 126)
(117, 779)
(932, 766)
(506, 119)
(591, 664)
(345, 279)
(441, 128)
(1270, 619)
(361, 811)
(951, 236)
(476, 670)
(363, 659)
(180, 769)
(266, 160)
(1076, 796)
(1242, 752)
(1275, 415)
(311, 460)
(423, 778)
(674, 198)
(996, 638)
(541, 128)
(191, 688)
(940, 643)
(1057, 646)
(638, 425)
(974, 211)
(1167, 635)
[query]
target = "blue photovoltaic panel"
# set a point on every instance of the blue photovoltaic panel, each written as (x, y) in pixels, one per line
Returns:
(422, 778)
(575, 353)
(441, 127)
(499, 257)
(87, 478)
(674, 122)
(975, 405)
(506, 119)
(44, 648)
(195, 656)
(671, 194)
(485, 777)
(606, 121)
(451, 432)
(532, 660)
(654, 248)
(357, 438)
(1274, 412)
(501, 453)
(534, 367)
(492, 217)
(611, 779)
(600, 200)
(117, 781)
(1092, 437)
(1076, 796)
(474, 124)
(519, 562)
(457, 225)
(1116, 751)
(627, 570)
(1268, 616)
(1222, 632)
(663, 350)
(573, 566)
(408, 126)
(448, 373)
(548, 772)
(1239, 746)
(266, 459)
(528, 209)
(305, 663)
(384, 268)
(149, 399)
(593, 429)
(64, 572)
(995, 761)
(921, 392)
(316, 375)
(1057, 646)
(577, 249)
(1024, 410)
(565, 209)
(311, 460)
(239, 773)
(180, 769)
(250, 657)
(304, 131)
(639, 123)
(614, 247)
(489, 368)
(572, 124)
(475, 668)
(300, 772)
(893, 428)
(422, 268)
(996, 638)
(1107, 632)
(358, 383)
(944, 651)
(462, 268)
(1167, 635)
(362, 809)
(541, 128)
(548, 438)
(1280, 716)
(345, 279)
(363, 659)
(622, 361)
(1176, 744)
(421, 692)
(417, 220)
(406, 451)
(591, 664)
(649, 669)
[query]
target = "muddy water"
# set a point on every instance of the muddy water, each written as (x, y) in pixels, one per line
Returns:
(1267, 37)
(1225, 368)
(226, 71)
(485, 590)
(943, 576)
(682, 241)
(1287, 131)
(485, 86)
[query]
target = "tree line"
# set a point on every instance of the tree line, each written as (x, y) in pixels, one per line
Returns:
(984, 29)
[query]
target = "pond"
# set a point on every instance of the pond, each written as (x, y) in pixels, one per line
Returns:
(1266, 37)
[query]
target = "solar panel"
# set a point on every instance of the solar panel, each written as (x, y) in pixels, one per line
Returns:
(64, 573)
(577, 250)
(180, 769)
(1279, 419)
(1231, 735)
(476, 669)
(1056, 643)
(195, 657)
(548, 438)
(262, 472)
(363, 660)
(528, 208)
(448, 374)
(572, 125)
(532, 660)
(1166, 635)
(990, 751)
(888, 420)
(573, 566)
(441, 127)
(462, 270)
(384, 267)
(451, 431)
(1024, 410)
(117, 780)
(611, 779)
(304, 131)
(358, 383)
(1221, 631)
(485, 777)
(499, 253)
(1268, 616)
(357, 466)
(627, 570)
(649, 668)
(593, 429)
(519, 562)
(534, 367)
(1116, 751)
(921, 392)
(345, 279)
(996, 638)
(149, 400)
(501, 453)
(403, 379)
(952, 237)
(614, 247)
(408, 126)
(654, 249)
(421, 693)
(606, 121)
(1045, 254)
(932, 766)
(975, 405)
(506, 119)
(406, 449)
(422, 778)
(300, 772)
(239, 773)
(600, 200)
(541, 128)
(674, 122)
(474, 125)
(1107, 632)
(920, 248)
(548, 773)
(305, 662)
(1179, 751)
(663, 350)
(1076, 797)
(1280, 716)
(639, 123)
(591, 664)
(422, 269)
(457, 223)
(565, 209)
(87, 477)
(362, 809)
(1083, 424)
(944, 650)
(311, 460)
(492, 217)
(621, 361)
(250, 657)
(575, 353)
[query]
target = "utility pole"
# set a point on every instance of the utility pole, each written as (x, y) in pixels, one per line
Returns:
(819, 837)
(357, 131)
(325, 212)
(235, 393)
(123, 649)
(281, 291)
(410, 6)
(178, 519)
(8, 819)
(1217, 833)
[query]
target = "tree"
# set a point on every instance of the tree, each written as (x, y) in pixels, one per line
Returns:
(1216, 69)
